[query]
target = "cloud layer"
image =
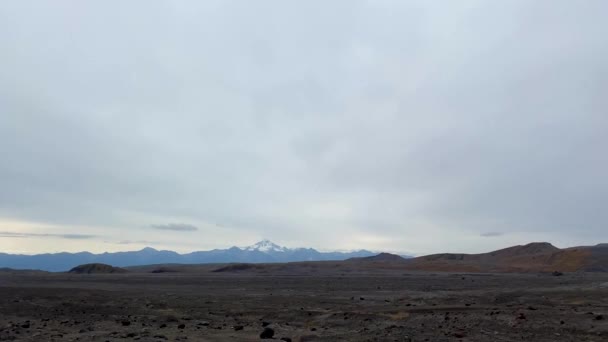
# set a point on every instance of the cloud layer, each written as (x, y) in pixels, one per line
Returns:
(178, 227)
(406, 126)
(44, 235)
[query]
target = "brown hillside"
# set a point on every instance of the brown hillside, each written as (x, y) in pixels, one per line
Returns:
(533, 257)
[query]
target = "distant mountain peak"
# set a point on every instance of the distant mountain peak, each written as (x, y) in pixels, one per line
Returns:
(265, 246)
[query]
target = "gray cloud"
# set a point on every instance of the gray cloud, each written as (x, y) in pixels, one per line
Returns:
(178, 227)
(132, 242)
(397, 125)
(38, 235)
(491, 234)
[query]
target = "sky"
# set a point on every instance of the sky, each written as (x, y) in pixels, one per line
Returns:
(407, 126)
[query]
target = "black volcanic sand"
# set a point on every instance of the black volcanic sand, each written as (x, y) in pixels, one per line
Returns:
(232, 307)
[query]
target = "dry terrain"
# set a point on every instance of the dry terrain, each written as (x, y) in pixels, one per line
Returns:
(306, 302)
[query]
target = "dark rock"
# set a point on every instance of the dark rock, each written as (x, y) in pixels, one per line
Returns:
(265, 324)
(238, 327)
(170, 319)
(599, 317)
(125, 323)
(163, 326)
(557, 273)
(267, 333)
(181, 326)
(286, 339)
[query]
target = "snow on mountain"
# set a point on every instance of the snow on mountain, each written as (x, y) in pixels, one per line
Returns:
(266, 246)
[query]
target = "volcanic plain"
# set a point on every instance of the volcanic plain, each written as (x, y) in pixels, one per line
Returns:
(319, 302)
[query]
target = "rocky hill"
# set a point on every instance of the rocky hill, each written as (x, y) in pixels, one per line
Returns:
(96, 269)
(382, 257)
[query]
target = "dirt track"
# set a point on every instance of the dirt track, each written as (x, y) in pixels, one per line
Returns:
(229, 307)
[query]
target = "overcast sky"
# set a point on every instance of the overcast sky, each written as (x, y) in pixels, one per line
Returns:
(408, 126)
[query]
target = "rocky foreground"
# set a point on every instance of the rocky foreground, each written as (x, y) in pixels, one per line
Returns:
(236, 307)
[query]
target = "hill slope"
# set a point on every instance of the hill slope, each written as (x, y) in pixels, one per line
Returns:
(533, 257)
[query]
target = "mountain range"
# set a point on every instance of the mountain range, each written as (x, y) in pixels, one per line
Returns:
(536, 257)
(264, 251)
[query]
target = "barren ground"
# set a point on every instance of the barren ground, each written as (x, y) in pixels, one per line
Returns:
(233, 307)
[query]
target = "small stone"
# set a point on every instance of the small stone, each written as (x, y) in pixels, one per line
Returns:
(267, 333)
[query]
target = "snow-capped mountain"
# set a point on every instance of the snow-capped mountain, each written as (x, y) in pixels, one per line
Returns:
(265, 246)
(263, 251)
